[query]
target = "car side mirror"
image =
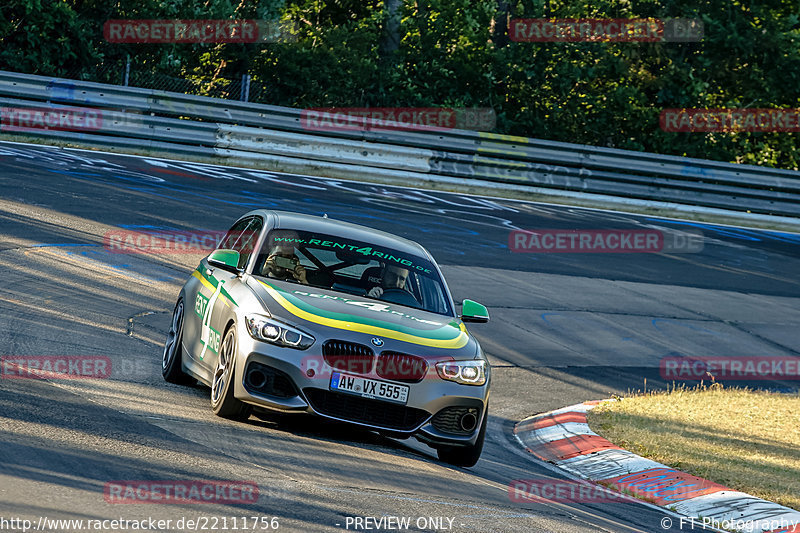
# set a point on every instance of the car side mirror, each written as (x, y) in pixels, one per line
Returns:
(224, 259)
(472, 311)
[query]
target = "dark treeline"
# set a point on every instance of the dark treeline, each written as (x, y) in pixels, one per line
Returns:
(456, 53)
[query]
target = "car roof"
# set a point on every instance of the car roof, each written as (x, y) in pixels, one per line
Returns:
(329, 226)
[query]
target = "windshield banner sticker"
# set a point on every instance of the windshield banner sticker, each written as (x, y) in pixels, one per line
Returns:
(363, 250)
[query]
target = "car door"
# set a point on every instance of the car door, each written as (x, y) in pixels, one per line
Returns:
(214, 294)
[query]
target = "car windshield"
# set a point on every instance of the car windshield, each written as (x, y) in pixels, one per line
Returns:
(353, 267)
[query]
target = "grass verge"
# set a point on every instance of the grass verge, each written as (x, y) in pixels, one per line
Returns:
(744, 439)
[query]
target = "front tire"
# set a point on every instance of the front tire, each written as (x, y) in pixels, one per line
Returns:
(465, 456)
(223, 402)
(171, 360)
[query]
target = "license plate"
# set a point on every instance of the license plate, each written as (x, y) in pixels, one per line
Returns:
(369, 388)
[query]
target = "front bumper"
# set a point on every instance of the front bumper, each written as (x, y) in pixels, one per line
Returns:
(299, 382)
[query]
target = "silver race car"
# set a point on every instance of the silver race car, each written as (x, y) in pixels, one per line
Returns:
(305, 314)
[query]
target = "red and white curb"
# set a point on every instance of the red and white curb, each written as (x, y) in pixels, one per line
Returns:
(563, 438)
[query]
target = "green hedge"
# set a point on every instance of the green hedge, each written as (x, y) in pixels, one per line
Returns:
(447, 54)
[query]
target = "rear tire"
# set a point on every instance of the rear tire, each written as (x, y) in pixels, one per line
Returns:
(223, 402)
(172, 358)
(465, 456)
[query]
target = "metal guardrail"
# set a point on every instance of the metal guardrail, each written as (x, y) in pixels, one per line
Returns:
(319, 148)
(255, 132)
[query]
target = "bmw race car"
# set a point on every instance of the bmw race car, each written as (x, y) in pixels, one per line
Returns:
(298, 313)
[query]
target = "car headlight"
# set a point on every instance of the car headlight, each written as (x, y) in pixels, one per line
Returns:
(270, 330)
(464, 372)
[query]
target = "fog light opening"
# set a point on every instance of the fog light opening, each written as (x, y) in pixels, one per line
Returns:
(256, 378)
(468, 422)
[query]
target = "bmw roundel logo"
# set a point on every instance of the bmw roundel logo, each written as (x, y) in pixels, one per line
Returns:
(376, 341)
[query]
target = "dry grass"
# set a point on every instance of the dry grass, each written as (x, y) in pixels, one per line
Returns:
(743, 439)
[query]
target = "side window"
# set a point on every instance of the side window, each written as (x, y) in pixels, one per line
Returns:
(247, 241)
(242, 237)
(233, 235)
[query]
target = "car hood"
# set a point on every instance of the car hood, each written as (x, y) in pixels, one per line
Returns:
(347, 312)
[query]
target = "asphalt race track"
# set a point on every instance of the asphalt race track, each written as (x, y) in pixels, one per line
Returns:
(565, 328)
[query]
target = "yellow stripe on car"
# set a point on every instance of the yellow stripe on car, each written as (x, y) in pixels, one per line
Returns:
(457, 342)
